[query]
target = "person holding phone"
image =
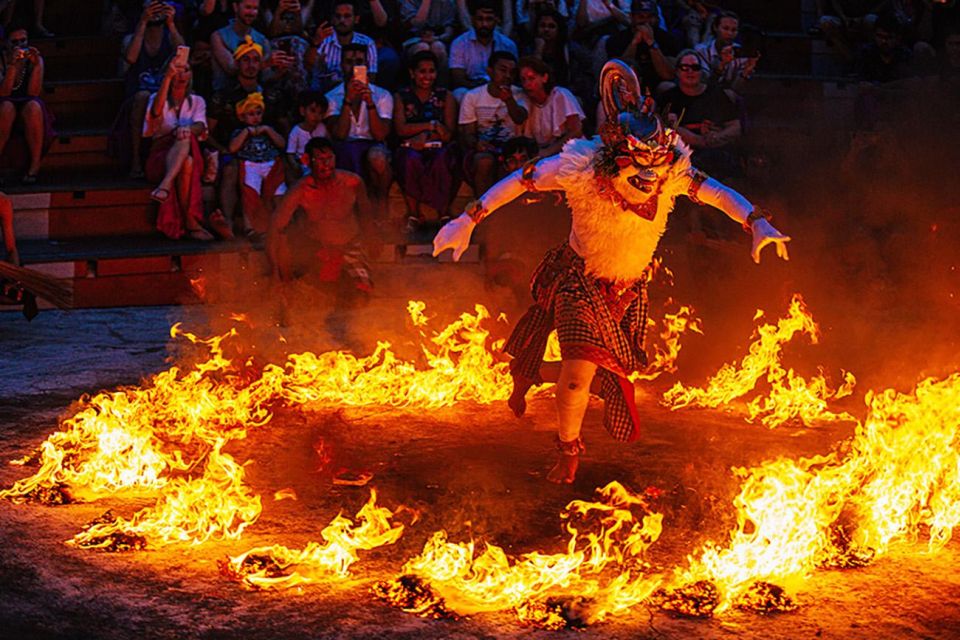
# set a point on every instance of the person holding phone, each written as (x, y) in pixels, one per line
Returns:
(176, 121)
(359, 118)
(145, 53)
(21, 69)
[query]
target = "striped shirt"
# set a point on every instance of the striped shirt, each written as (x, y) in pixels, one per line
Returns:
(327, 73)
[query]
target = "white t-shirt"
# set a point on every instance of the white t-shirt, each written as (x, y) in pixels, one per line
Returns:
(192, 109)
(299, 137)
(360, 125)
(545, 122)
(491, 115)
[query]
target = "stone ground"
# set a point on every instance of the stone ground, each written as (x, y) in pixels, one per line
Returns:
(472, 470)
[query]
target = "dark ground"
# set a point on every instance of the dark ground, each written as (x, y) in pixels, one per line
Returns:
(469, 469)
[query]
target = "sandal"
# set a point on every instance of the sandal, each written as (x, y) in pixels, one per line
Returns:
(136, 174)
(160, 195)
(29, 178)
(218, 222)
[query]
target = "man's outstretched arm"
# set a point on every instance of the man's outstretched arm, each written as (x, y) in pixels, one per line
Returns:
(705, 190)
(533, 176)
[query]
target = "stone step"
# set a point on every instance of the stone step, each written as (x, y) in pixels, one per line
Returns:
(84, 104)
(80, 57)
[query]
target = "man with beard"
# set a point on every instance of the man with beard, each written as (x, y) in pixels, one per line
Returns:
(337, 222)
(325, 59)
(470, 52)
(621, 187)
(225, 41)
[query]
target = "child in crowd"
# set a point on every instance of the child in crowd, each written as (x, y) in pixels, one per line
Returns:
(258, 148)
(313, 106)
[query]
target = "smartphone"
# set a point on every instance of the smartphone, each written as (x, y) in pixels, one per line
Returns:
(360, 73)
(182, 57)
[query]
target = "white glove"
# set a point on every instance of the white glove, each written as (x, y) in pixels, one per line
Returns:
(764, 233)
(454, 235)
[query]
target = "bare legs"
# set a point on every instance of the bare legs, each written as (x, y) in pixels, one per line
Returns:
(31, 115)
(177, 183)
(573, 395)
(8, 111)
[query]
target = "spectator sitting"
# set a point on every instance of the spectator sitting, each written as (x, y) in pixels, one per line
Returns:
(569, 61)
(885, 59)
(359, 118)
(425, 116)
(10, 10)
(223, 121)
(489, 116)
(645, 45)
(258, 148)
(849, 25)
(20, 103)
(708, 115)
(145, 53)
(325, 58)
(529, 11)
(555, 115)
(471, 51)
(212, 15)
(718, 55)
(176, 120)
(431, 20)
(225, 41)
(313, 107)
(950, 57)
(287, 41)
(596, 18)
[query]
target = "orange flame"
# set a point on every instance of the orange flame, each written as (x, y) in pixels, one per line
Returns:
(791, 397)
(613, 532)
(279, 567)
(900, 477)
(149, 439)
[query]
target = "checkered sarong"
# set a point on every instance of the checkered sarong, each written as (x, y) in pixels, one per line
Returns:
(596, 320)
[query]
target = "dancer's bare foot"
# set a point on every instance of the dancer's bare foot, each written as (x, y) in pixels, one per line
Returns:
(518, 397)
(565, 470)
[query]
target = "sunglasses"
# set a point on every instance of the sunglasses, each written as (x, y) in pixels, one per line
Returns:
(688, 67)
(19, 42)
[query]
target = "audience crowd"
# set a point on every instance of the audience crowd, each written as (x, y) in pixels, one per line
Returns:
(427, 93)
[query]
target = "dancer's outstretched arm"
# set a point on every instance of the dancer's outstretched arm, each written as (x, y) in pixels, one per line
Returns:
(533, 176)
(705, 190)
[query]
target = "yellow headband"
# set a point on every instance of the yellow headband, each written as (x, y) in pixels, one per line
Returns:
(253, 100)
(246, 47)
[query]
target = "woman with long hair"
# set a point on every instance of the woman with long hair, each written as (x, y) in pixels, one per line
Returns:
(177, 120)
(21, 70)
(425, 117)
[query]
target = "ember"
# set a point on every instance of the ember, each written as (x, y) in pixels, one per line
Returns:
(413, 595)
(112, 542)
(556, 614)
(696, 600)
(278, 567)
(764, 597)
